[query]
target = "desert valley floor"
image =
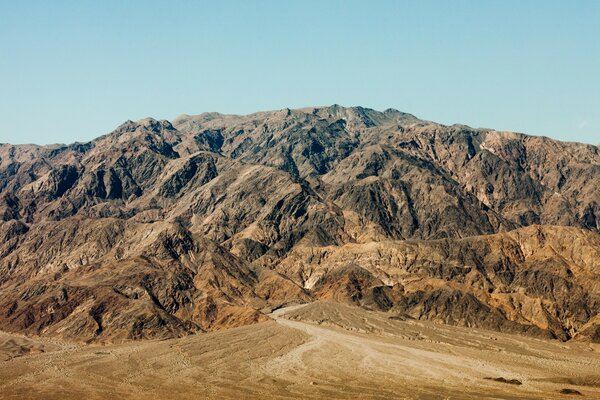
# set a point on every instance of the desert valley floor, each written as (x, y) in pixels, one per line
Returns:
(319, 350)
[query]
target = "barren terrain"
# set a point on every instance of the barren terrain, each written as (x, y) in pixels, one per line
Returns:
(319, 350)
(147, 262)
(162, 229)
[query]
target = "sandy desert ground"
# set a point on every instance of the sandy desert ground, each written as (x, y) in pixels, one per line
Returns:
(320, 350)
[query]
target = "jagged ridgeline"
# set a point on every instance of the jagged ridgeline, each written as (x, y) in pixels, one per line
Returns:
(162, 229)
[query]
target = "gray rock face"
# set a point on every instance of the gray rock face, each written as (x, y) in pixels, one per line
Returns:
(162, 229)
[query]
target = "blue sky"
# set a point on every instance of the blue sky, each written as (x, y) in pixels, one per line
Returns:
(73, 70)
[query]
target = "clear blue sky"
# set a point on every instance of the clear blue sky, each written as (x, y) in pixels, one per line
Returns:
(73, 70)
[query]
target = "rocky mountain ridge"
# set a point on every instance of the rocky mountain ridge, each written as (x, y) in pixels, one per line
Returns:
(163, 229)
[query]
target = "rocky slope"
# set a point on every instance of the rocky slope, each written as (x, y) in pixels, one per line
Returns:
(162, 229)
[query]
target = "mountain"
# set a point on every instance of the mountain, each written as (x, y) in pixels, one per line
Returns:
(162, 229)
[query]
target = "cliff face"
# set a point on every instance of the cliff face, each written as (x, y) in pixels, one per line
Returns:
(161, 229)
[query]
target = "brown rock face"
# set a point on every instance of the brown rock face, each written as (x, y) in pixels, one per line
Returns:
(163, 229)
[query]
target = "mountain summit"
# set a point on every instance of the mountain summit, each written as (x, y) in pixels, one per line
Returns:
(161, 229)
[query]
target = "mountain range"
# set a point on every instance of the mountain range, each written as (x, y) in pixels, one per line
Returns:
(163, 229)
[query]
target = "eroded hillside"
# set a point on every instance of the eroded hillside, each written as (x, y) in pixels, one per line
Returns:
(161, 229)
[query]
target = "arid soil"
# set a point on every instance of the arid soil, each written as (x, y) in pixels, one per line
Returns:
(319, 350)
